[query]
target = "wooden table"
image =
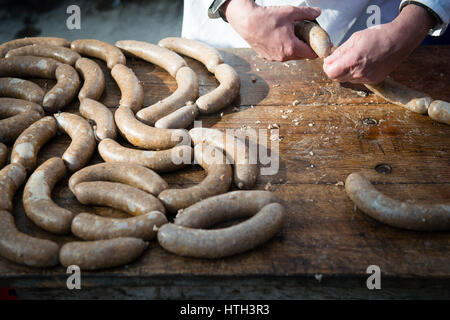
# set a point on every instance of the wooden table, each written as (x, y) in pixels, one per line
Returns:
(326, 245)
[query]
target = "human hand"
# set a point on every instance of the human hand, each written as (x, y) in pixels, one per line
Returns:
(370, 55)
(270, 30)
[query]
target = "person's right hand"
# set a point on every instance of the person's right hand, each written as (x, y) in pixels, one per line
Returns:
(270, 30)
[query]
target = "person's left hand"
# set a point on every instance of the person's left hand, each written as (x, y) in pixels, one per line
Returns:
(370, 55)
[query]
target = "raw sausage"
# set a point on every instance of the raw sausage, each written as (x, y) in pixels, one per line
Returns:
(101, 254)
(117, 195)
(83, 143)
(30, 141)
(440, 111)
(144, 136)
(92, 227)
(127, 173)
(23, 249)
(61, 54)
(37, 201)
(94, 79)
(132, 93)
(65, 89)
(21, 89)
(224, 94)
(217, 181)
(180, 118)
(219, 243)
(99, 49)
(105, 127)
(28, 67)
(3, 154)
(12, 177)
(17, 43)
(160, 161)
(422, 217)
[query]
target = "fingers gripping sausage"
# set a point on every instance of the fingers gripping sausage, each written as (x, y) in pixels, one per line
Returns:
(401, 95)
(83, 143)
(19, 115)
(428, 217)
(180, 118)
(23, 249)
(218, 243)
(30, 141)
(94, 79)
(21, 89)
(127, 173)
(132, 93)
(17, 43)
(117, 195)
(161, 161)
(144, 136)
(224, 94)
(225, 207)
(28, 67)
(316, 37)
(217, 181)
(37, 201)
(61, 54)
(245, 172)
(3, 154)
(440, 111)
(68, 83)
(92, 227)
(162, 57)
(101, 254)
(207, 55)
(105, 127)
(186, 92)
(99, 49)
(12, 177)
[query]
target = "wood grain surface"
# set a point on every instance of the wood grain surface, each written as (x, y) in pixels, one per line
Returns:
(328, 131)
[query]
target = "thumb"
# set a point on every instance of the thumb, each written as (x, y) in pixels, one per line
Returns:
(304, 13)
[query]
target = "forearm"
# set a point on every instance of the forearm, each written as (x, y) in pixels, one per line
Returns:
(238, 11)
(413, 24)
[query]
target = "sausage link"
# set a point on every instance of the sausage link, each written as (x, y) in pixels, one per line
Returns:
(21, 89)
(101, 254)
(422, 217)
(217, 181)
(117, 195)
(38, 204)
(127, 173)
(12, 177)
(83, 143)
(99, 49)
(225, 207)
(28, 67)
(219, 243)
(132, 93)
(160, 161)
(144, 136)
(17, 43)
(94, 79)
(92, 227)
(30, 141)
(162, 57)
(180, 118)
(245, 172)
(65, 89)
(401, 95)
(105, 127)
(187, 91)
(440, 111)
(61, 54)
(224, 94)
(207, 55)
(12, 127)
(23, 249)
(10, 107)
(316, 37)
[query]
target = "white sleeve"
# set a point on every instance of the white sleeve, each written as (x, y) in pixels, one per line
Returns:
(441, 8)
